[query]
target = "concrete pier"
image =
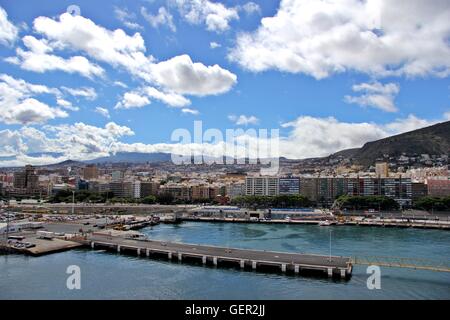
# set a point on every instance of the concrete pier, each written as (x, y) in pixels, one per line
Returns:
(259, 260)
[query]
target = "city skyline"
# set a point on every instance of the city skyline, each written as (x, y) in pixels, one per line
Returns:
(122, 76)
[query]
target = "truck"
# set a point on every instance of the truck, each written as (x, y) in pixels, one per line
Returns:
(45, 235)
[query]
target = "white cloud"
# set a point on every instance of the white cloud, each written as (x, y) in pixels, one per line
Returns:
(66, 104)
(120, 84)
(132, 100)
(316, 137)
(8, 31)
(179, 74)
(378, 37)
(11, 143)
(143, 96)
(78, 141)
(18, 103)
(251, 8)
(102, 111)
(126, 17)
(79, 33)
(190, 111)
(38, 59)
(376, 95)
(169, 98)
(31, 111)
(214, 15)
(163, 18)
(308, 137)
(183, 76)
(243, 119)
(214, 45)
(84, 92)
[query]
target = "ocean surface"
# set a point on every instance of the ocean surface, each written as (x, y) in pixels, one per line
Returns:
(106, 275)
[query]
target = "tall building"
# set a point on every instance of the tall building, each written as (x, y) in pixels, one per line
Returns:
(261, 186)
(326, 190)
(382, 169)
(418, 190)
(438, 187)
(289, 185)
(90, 172)
(27, 179)
(178, 191)
(200, 192)
(308, 188)
(149, 188)
(136, 189)
(122, 189)
(234, 190)
(117, 175)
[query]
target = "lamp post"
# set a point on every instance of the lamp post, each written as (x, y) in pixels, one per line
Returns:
(73, 202)
(330, 247)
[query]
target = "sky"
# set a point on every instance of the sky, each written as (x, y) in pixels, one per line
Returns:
(84, 79)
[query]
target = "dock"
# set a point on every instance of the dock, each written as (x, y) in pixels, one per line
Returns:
(245, 259)
(43, 246)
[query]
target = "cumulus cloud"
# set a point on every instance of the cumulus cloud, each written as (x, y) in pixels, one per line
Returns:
(84, 92)
(190, 111)
(376, 95)
(18, 103)
(103, 112)
(143, 96)
(180, 74)
(378, 37)
(11, 143)
(8, 31)
(66, 104)
(316, 137)
(243, 119)
(216, 16)
(39, 59)
(163, 17)
(169, 98)
(132, 100)
(251, 8)
(307, 137)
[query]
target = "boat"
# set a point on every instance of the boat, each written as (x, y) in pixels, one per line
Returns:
(172, 219)
(326, 223)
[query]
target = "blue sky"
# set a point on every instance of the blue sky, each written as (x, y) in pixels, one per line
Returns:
(320, 73)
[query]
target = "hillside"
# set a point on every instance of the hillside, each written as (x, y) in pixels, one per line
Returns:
(433, 140)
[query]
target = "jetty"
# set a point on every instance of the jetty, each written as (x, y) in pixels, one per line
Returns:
(256, 260)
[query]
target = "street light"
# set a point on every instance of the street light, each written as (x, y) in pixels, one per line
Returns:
(330, 246)
(73, 202)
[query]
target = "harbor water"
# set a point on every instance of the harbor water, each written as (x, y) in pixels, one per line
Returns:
(105, 275)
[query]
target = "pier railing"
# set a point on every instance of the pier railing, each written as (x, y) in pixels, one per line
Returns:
(398, 262)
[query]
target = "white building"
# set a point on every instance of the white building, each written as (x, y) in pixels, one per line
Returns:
(136, 189)
(262, 186)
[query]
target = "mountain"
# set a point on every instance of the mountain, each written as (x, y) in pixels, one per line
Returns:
(433, 140)
(133, 157)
